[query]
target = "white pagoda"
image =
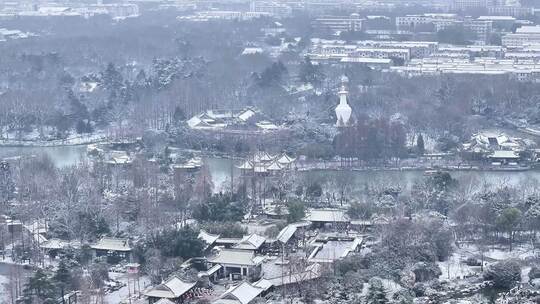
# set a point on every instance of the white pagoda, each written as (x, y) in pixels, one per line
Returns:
(343, 110)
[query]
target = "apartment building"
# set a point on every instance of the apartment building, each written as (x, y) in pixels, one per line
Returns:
(338, 23)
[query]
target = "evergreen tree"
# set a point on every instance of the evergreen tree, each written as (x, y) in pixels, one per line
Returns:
(7, 186)
(111, 78)
(420, 145)
(297, 211)
(63, 278)
(141, 80)
(309, 73)
(179, 114)
(184, 243)
(272, 76)
(39, 288)
(112, 81)
(376, 293)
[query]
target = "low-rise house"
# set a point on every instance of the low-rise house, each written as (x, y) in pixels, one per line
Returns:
(248, 119)
(209, 239)
(243, 293)
(237, 264)
(227, 242)
(289, 277)
(174, 290)
(331, 249)
(500, 157)
(164, 301)
(495, 147)
(114, 248)
(252, 242)
(118, 158)
(54, 246)
(290, 234)
(211, 274)
(322, 217)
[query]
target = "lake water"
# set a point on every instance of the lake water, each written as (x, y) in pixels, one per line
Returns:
(62, 156)
(220, 168)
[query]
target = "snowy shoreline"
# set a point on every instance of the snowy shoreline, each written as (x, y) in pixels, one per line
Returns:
(73, 141)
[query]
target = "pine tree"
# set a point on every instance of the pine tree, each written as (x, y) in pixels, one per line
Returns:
(179, 114)
(420, 145)
(111, 78)
(376, 293)
(63, 278)
(309, 73)
(39, 287)
(7, 186)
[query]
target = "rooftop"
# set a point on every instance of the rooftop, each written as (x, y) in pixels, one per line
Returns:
(333, 250)
(171, 289)
(242, 293)
(251, 242)
(504, 154)
(327, 215)
(235, 257)
(112, 244)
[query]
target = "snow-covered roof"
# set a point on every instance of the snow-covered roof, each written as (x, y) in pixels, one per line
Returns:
(504, 154)
(246, 114)
(193, 163)
(263, 283)
(39, 226)
(235, 257)
(56, 244)
(266, 125)
(285, 159)
(208, 238)
(220, 119)
(210, 271)
(262, 156)
(112, 244)
(333, 250)
(164, 301)
(244, 293)
(251, 242)
(252, 51)
(228, 241)
(119, 158)
(275, 166)
(311, 272)
(327, 215)
(287, 233)
(247, 165)
(194, 121)
(497, 18)
(172, 289)
(535, 29)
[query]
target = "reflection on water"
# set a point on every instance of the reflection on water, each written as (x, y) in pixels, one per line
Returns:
(469, 180)
(61, 156)
(220, 168)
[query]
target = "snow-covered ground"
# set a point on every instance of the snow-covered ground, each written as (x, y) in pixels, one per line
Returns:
(455, 267)
(33, 139)
(122, 295)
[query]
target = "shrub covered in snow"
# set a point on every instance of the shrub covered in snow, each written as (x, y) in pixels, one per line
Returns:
(504, 274)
